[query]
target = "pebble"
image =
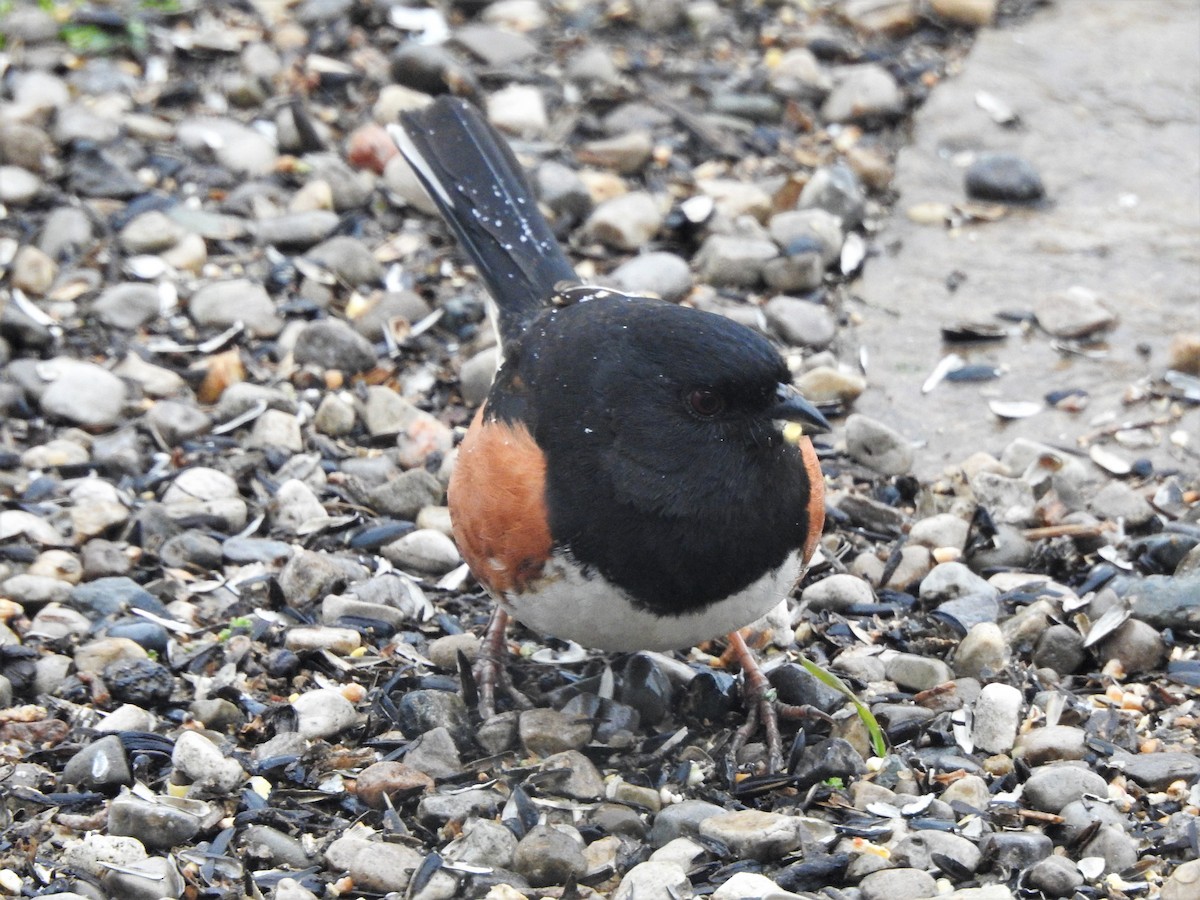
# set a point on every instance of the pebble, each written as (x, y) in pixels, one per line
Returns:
(1054, 742)
(863, 93)
(332, 344)
(32, 270)
(177, 422)
(1137, 646)
(1055, 876)
(1003, 178)
(826, 384)
(383, 867)
(1015, 850)
(323, 713)
(1183, 882)
(655, 879)
(1157, 771)
(837, 593)
(424, 551)
(435, 754)
(235, 146)
(545, 732)
(951, 580)
(983, 653)
(1050, 788)
(754, 834)
(211, 771)
(220, 304)
(83, 394)
(969, 13)
(726, 260)
(808, 230)
(917, 851)
(878, 446)
(1060, 648)
(578, 776)
(1076, 312)
(655, 273)
(997, 716)
(836, 190)
(918, 673)
(801, 323)
(390, 780)
(940, 530)
(550, 854)
(898, 884)
(276, 429)
(519, 109)
(627, 222)
(101, 764)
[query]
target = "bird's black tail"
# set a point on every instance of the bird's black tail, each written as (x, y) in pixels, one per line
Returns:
(478, 185)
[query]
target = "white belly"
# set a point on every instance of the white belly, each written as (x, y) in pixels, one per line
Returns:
(566, 604)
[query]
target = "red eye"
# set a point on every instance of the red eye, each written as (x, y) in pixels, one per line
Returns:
(706, 403)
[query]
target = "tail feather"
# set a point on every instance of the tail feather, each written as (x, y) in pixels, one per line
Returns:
(478, 185)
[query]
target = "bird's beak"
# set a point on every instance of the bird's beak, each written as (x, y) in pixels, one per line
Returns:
(803, 417)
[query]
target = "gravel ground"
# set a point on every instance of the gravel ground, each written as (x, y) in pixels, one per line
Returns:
(236, 349)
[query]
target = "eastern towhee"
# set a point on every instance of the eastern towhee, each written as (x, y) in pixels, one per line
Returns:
(631, 482)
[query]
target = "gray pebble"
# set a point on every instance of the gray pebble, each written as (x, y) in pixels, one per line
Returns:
(837, 592)
(1050, 788)
(423, 550)
(1137, 646)
(940, 530)
(797, 272)
(950, 580)
(242, 397)
(562, 191)
(898, 884)
(262, 842)
(801, 323)
(84, 394)
(18, 187)
(655, 879)
(222, 303)
(1003, 178)
(878, 446)
(918, 673)
(1157, 771)
(1055, 876)
(548, 731)
(917, 850)
(348, 259)
(475, 377)
(983, 653)
(1060, 648)
(177, 421)
(437, 809)
(100, 764)
(657, 273)
(836, 190)
(1043, 745)
(158, 825)
(627, 222)
(296, 230)
(1010, 500)
(323, 713)
(191, 548)
(1163, 601)
(350, 189)
(483, 843)
(334, 416)
(210, 769)
(275, 428)
(235, 146)
(149, 879)
(108, 596)
(1015, 850)
(681, 820)
(1074, 313)
(332, 344)
(405, 495)
(1117, 500)
(754, 834)
(435, 754)
(808, 230)
(383, 867)
(862, 94)
(66, 232)
(726, 260)
(549, 855)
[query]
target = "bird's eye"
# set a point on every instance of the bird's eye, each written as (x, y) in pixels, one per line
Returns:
(705, 403)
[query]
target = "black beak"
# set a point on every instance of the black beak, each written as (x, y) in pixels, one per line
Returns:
(791, 407)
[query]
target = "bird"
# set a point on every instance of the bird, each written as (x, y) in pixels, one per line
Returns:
(640, 475)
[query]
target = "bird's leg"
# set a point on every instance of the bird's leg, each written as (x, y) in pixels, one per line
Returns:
(489, 667)
(760, 703)
(489, 670)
